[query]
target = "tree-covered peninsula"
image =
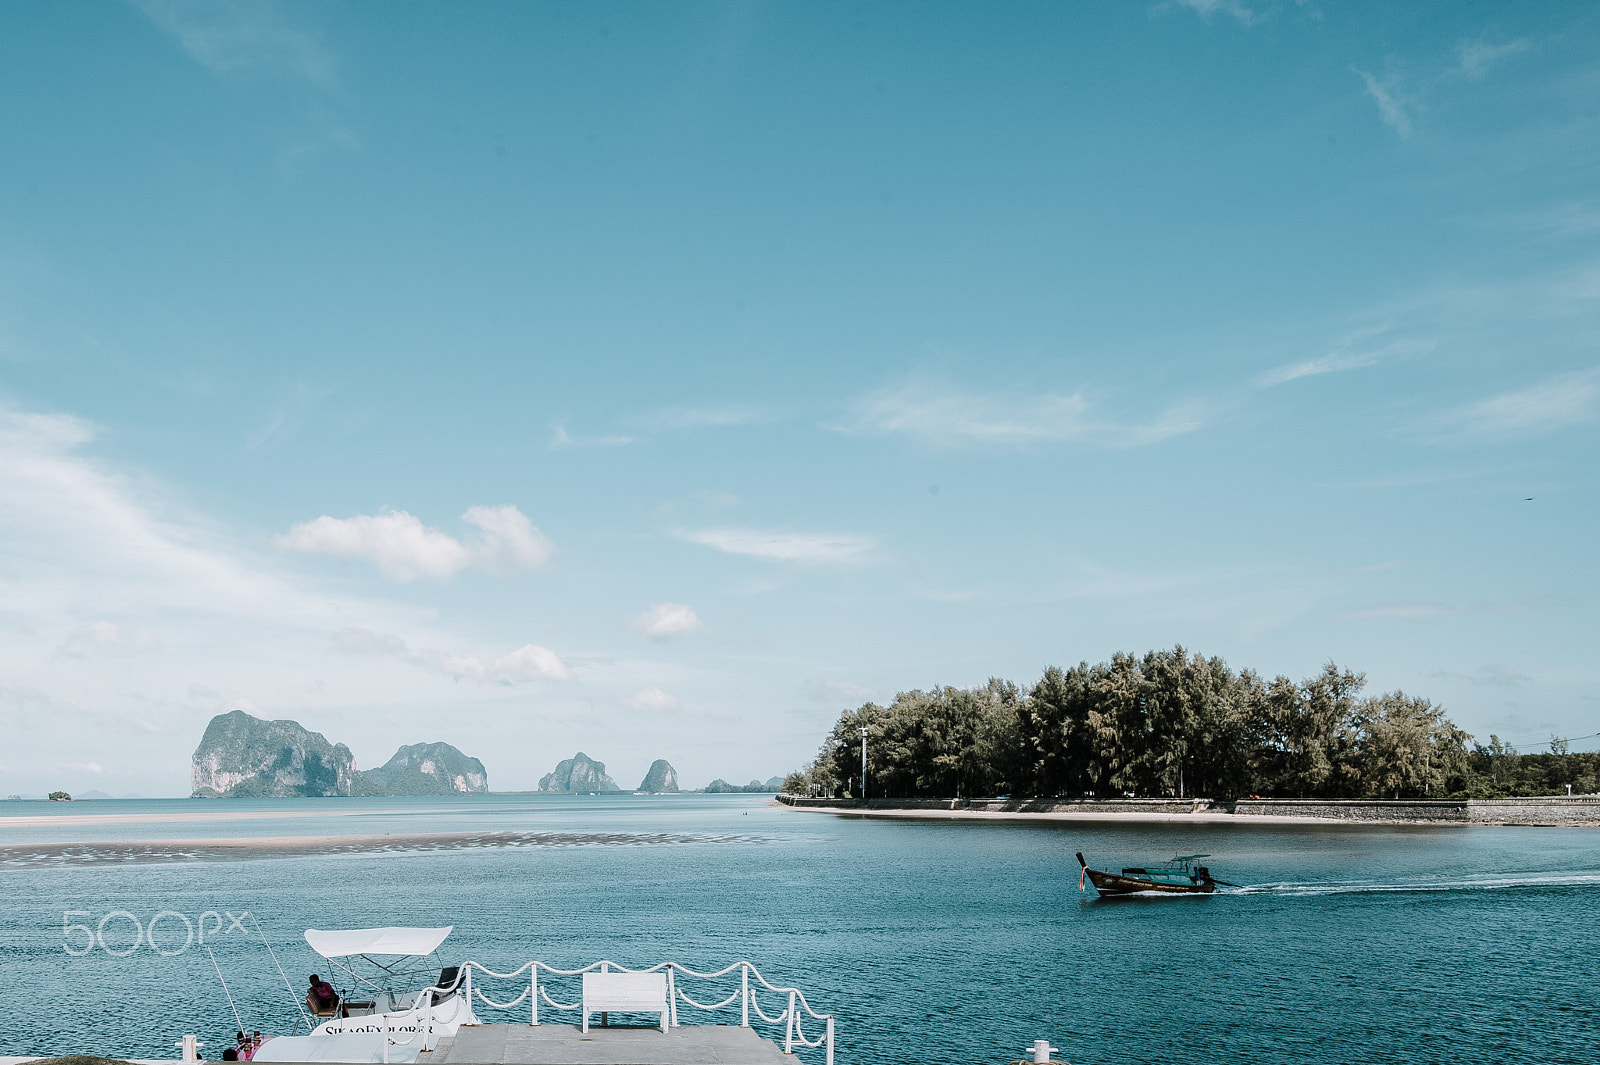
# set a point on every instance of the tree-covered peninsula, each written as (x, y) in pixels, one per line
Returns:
(1179, 724)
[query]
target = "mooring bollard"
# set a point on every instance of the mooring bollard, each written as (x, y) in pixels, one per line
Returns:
(1042, 1050)
(191, 1049)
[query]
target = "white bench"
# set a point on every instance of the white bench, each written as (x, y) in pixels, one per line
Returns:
(625, 993)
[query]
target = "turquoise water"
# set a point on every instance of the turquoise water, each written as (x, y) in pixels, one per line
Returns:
(930, 941)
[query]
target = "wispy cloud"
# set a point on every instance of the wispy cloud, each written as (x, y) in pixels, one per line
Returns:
(107, 637)
(1348, 354)
(823, 548)
(1404, 612)
(1431, 611)
(243, 36)
(404, 549)
(1491, 675)
(1386, 95)
(666, 620)
(1476, 57)
(560, 440)
(530, 662)
(707, 417)
(1554, 404)
(1207, 9)
(946, 416)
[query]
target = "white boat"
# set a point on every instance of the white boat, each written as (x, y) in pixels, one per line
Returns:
(395, 999)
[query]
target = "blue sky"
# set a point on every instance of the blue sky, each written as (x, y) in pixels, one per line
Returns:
(658, 380)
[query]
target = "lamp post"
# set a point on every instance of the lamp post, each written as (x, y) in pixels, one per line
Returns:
(863, 763)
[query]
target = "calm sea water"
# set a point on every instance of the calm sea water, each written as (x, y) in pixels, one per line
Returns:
(931, 942)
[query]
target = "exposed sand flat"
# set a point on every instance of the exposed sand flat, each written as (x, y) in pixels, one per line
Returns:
(70, 820)
(38, 855)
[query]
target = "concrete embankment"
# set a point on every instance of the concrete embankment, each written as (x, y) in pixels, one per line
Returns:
(1536, 810)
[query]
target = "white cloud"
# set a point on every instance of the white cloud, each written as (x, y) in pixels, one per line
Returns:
(83, 767)
(560, 440)
(1207, 8)
(530, 662)
(1478, 56)
(947, 416)
(652, 699)
(1556, 403)
(107, 637)
(1389, 104)
(706, 417)
(785, 547)
(507, 540)
(1347, 355)
(666, 620)
(404, 549)
(239, 36)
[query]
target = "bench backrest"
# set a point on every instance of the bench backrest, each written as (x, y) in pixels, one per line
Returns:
(621, 992)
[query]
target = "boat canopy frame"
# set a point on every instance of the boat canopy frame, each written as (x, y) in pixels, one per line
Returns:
(394, 954)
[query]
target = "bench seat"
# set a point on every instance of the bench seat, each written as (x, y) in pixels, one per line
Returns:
(625, 993)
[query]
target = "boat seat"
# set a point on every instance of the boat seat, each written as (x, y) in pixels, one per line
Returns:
(625, 993)
(447, 980)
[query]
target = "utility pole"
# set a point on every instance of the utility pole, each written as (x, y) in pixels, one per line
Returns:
(863, 763)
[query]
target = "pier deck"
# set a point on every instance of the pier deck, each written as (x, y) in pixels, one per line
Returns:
(566, 1044)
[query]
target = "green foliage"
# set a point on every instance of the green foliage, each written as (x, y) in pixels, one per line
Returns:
(60, 796)
(1173, 723)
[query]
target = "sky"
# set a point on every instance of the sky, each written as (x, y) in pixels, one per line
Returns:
(658, 380)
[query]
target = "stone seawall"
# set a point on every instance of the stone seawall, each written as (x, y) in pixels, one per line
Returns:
(1410, 811)
(1535, 810)
(1012, 806)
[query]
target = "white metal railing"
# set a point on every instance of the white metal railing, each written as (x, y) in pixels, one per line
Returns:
(532, 990)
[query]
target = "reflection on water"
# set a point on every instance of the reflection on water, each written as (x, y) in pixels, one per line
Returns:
(940, 942)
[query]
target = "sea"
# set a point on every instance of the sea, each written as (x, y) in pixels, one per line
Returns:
(928, 941)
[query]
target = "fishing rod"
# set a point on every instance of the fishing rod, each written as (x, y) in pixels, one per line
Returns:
(290, 987)
(225, 990)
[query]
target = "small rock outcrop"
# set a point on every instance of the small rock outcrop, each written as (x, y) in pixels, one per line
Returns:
(661, 780)
(579, 773)
(245, 757)
(722, 787)
(428, 769)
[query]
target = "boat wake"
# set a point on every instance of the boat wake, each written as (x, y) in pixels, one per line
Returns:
(52, 855)
(1485, 882)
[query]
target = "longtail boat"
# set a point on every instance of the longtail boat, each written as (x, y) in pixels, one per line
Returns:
(1178, 877)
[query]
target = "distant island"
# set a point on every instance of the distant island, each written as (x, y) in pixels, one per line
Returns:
(581, 774)
(241, 756)
(661, 779)
(722, 787)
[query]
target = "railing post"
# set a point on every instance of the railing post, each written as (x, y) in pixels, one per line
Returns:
(830, 1040)
(468, 983)
(386, 1037)
(427, 1018)
(672, 997)
(533, 992)
(788, 1029)
(744, 971)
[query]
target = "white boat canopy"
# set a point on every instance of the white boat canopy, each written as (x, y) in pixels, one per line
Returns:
(396, 941)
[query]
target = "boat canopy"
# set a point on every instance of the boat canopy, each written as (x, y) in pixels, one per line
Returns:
(411, 942)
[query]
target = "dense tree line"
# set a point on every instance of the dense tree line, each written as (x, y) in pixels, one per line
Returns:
(1173, 723)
